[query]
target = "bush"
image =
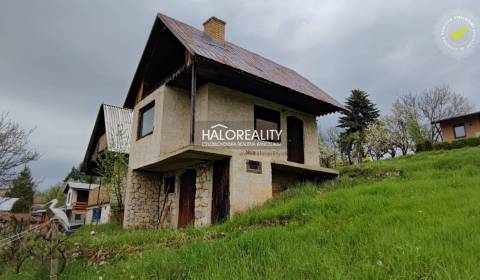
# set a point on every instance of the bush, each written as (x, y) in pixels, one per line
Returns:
(468, 142)
(425, 146)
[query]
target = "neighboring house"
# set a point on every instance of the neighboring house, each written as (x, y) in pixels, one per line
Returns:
(98, 207)
(77, 201)
(111, 132)
(189, 81)
(459, 127)
(38, 200)
(6, 204)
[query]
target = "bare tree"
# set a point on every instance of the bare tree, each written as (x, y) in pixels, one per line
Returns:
(329, 146)
(439, 103)
(14, 148)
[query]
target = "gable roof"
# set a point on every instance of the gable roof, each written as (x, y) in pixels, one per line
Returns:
(117, 123)
(118, 127)
(458, 117)
(79, 186)
(6, 203)
(198, 43)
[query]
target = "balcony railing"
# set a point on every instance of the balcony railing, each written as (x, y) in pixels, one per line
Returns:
(80, 206)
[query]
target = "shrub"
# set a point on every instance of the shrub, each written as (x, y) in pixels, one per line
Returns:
(468, 142)
(425, 146)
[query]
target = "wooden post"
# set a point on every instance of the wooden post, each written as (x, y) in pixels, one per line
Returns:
(54, 244)
(193, 94)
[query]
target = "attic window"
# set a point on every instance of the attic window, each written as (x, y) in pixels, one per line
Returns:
(254, 166)
(169, 185)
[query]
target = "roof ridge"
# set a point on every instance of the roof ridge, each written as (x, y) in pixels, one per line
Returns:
(314, 89)
(233, 44)
(118, 107)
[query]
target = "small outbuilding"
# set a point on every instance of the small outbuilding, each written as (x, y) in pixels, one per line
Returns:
(459, 127)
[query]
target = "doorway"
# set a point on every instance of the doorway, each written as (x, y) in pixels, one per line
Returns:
(186, 214)
(295, 150)
(221, 192)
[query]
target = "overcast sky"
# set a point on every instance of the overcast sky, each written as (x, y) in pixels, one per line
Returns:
(59, 60)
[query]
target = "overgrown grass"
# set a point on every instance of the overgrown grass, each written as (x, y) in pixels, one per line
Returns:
(416, 217)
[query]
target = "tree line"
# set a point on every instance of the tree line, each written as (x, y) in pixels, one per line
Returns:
(362, 133)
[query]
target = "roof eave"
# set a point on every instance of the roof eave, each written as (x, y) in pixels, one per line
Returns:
(89, 150)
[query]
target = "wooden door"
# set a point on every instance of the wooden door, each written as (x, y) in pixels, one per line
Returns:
(295, 150)
(186, 214)
(221, 193)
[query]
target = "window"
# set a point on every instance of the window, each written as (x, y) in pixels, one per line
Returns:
(82, 196)
(254, 166)
(78, 217)
(145, 125)
(169, 185)
(267, 120)
(459, 131)
(69, 197)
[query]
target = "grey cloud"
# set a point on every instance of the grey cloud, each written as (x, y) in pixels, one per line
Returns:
(60, 59)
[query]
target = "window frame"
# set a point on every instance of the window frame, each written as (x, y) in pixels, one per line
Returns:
(69, 197)
(254, 170)
(464, 131)
(267, 114)
(142, 110)
(169, 191)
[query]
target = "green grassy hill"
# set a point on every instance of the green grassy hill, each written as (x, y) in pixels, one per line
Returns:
(416, 217)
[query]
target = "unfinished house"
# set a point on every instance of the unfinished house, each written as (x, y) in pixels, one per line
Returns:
(190, 87)
(459, 127)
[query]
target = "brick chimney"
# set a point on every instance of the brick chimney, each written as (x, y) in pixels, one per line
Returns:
(215, 28)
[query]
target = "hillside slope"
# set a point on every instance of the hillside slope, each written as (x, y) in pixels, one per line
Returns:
(415, 217)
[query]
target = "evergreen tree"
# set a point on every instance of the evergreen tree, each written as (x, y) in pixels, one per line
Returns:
(361, 112)
(23, 188)
(74, 175)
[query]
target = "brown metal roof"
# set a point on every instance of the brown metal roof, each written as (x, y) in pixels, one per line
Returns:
(199, 43)
(458, 117)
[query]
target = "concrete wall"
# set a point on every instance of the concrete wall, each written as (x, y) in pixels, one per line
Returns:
(104, 218)
(250, 189)
(472, 127)
(171, 126)
(171, 132)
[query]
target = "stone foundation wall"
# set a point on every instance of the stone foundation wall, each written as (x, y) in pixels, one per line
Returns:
(146, 206)
(203, 195)
(142, 197)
